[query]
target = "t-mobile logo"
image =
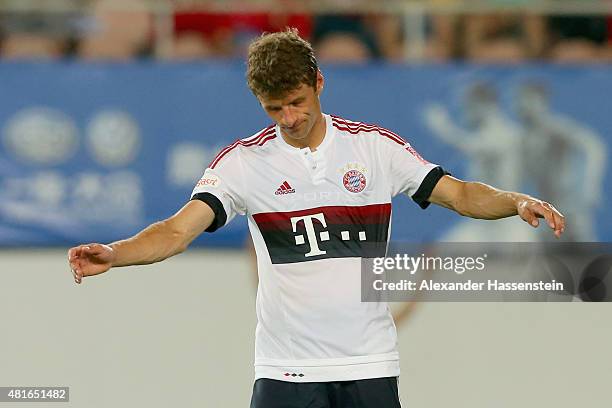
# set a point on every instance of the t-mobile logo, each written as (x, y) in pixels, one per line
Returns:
(311, 233)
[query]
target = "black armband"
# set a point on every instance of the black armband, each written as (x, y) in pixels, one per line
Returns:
(215, 204)
(427, 185)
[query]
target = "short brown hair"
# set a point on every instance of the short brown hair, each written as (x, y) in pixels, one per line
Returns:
(279, 63)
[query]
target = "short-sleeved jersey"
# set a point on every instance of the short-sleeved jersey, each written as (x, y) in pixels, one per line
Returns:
(313, 216)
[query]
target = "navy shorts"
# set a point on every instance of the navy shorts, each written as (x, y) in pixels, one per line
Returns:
(370, 393)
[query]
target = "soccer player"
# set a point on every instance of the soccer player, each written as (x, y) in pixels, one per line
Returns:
(317, 192)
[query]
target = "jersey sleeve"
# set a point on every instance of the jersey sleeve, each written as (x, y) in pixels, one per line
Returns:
(409, 173)
(222, 188)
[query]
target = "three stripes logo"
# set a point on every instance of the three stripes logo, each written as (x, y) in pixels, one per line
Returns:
(284, 188)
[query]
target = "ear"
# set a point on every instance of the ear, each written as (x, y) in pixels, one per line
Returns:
(320, 82)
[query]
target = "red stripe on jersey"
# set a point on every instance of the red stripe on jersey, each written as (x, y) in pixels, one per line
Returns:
(266, 132)
(353, 124)
(233, 145)
(259, 135)
(265, 135)
(416, 154)
(354, 128)
(362, 215)
(265, 139)
(286, 185)
(355, 131)
(357, 126)
(340, 124)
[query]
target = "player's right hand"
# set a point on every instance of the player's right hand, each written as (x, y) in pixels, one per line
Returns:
(90, 259)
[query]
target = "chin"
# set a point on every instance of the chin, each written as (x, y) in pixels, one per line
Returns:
(298, 137)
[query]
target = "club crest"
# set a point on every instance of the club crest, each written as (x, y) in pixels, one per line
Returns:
(354, 181)
(353, 178)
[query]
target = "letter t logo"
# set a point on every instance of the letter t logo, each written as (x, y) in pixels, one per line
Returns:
(310, 233)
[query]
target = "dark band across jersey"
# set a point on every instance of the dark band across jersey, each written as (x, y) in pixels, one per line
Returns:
(325, 232)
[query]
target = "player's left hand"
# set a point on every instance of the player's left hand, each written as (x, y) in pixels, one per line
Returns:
(530, 209)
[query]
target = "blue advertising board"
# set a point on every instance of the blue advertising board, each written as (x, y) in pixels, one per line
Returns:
(97, 152)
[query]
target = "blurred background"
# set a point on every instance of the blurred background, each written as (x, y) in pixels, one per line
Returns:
(110, 110)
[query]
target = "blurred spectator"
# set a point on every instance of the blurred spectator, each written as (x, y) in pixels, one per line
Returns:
(342, 48)
(30, 46)
(227, 35)
(444, 38)
(389, 34)
(578, 38)
(503, 37)
(190, 45)
(342, 38)
(118, 30)
(36, 35)
(124, 29)
(607, 51)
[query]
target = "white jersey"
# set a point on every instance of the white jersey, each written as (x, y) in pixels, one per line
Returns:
(313, 215)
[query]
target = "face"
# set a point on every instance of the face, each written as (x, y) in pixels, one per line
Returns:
(297, 112)
(475, 113)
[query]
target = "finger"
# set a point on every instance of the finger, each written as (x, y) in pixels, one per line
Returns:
(559, 221)
(560, 227)
(74, 263)
(86, 250)
(78, 275)
(95, 249)
(75, 275)
(555, 219)
(72, 254)
(78, 251)
(543, 211)
(529, 217)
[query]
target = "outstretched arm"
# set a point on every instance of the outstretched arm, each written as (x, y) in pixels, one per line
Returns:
(155, 243)
(479, 200)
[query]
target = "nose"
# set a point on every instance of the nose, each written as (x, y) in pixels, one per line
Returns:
(288, 117)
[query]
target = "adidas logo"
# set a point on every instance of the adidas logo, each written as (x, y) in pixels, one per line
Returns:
(285, 188)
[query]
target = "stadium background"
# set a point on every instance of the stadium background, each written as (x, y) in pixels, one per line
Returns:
(110, 111)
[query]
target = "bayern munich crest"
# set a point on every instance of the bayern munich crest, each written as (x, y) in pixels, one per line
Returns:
(354, 181)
